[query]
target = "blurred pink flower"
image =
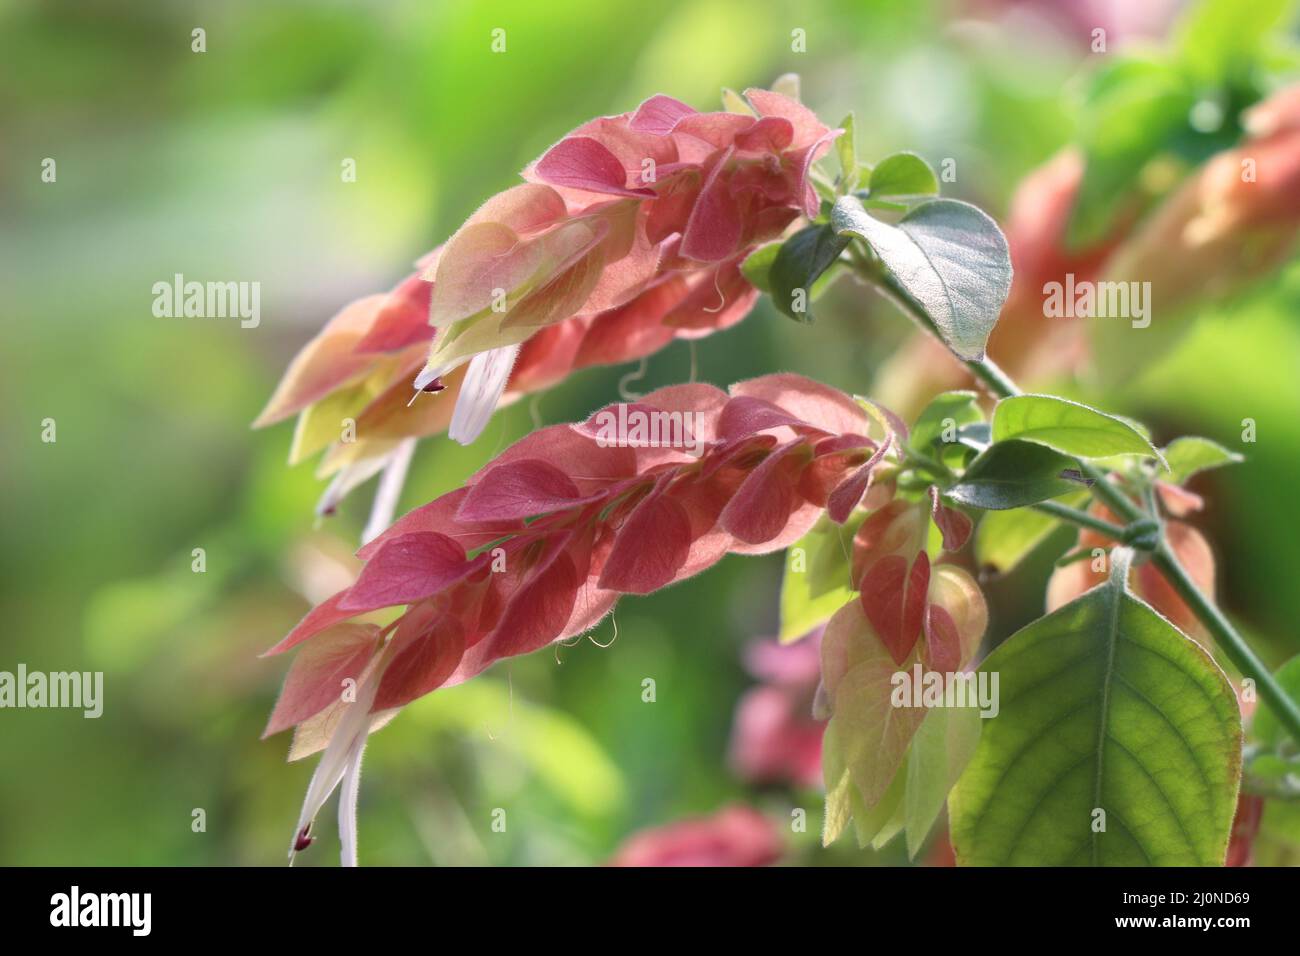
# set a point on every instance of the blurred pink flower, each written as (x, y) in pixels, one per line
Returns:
(1123, 20)
(775, 738)
(735, 836)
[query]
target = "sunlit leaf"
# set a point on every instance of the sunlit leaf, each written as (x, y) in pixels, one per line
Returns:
(1068, 427)
(1118, 742)
(903, 174)
(1189, 455)
(1005, 538)
(816, 582)
(867, 736)
(948, 256)
(941, 749)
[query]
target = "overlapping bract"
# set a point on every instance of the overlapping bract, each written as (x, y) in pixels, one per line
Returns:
(908, 613)
(628, 233)
(621, 203)
(540, 544)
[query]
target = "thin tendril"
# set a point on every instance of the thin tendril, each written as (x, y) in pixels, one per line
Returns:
(634, 376)
(722, 299)
(613, 620)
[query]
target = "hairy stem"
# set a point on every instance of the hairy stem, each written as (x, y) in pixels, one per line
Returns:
(1081, 518)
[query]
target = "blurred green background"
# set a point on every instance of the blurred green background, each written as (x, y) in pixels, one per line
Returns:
(226, 165)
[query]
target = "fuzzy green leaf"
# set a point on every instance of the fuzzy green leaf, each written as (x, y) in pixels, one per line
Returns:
(1012, 474)
(799, 262)
(903, 174)
(948, 256)
(1068, 427)
(1189, 455)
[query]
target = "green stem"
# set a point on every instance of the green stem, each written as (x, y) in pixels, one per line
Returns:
(1233, 644)
(1206, 611)
(997, 381)
(1075, 516)
(935, 468)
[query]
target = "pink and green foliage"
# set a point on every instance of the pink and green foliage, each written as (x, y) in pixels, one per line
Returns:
(664, 222)
(628, 233)
(540, 544)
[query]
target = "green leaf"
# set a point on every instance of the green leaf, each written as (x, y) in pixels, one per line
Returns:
(1105, 706)
(948, 256)
(816, 580)
(1266, 729)
(1068, 427)
(757, 266)
(957, 408)
(941, 749)
(903, 174)
(885, 205)
(1013, 474)
(880, 824)
(848, 157)
(799, 262)
(1005, 538)
(1188, 455)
